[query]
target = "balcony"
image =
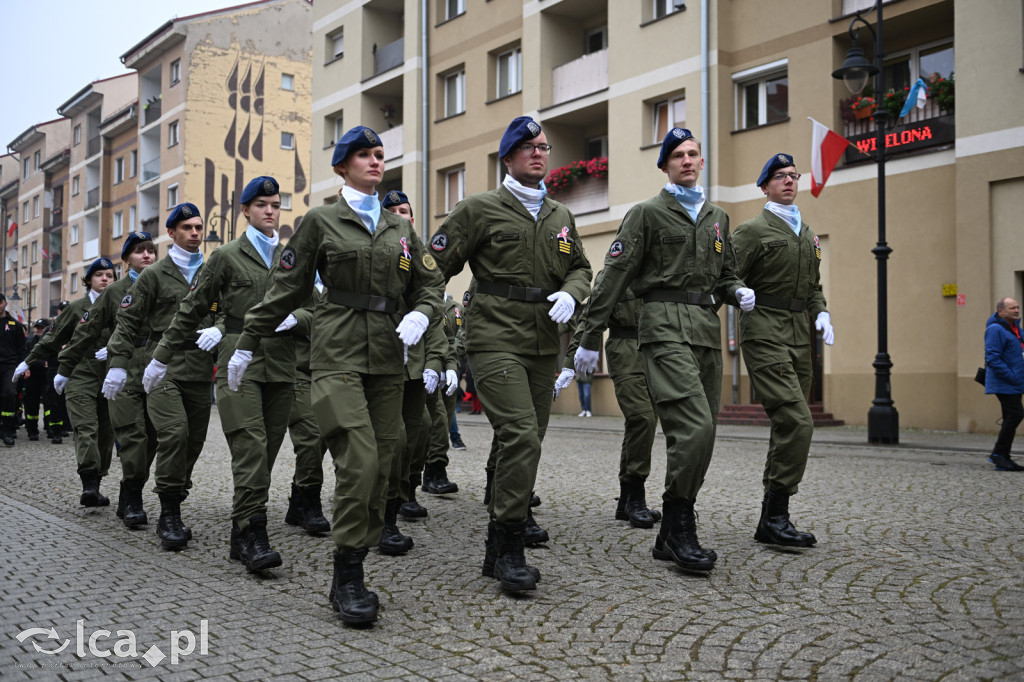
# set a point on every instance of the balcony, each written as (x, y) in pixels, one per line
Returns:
(92, 147)
(151, 111)
(930, 126)
(392, 140)
(151, 170)
(92, 198)
(57, 216)
(389, 56)
(91, 249)
(584, 195)
(580, 77)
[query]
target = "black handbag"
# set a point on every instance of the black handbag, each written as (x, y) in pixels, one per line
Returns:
(979, 376)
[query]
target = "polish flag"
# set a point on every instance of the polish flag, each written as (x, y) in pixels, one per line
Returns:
(826, 149)
(11, 228)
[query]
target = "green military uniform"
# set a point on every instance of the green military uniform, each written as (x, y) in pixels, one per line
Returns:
(441, 406)
(87, 408)
(179, 408)
(775, 337)
(682, 270)
(255, 418)
(513, 344)
(407, 464)
(356, 357)
(307, 442)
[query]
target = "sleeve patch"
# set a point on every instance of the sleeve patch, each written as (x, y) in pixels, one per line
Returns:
(428, 262)
(439, 242)
(126, 301)
(288, 258)
(616, 249)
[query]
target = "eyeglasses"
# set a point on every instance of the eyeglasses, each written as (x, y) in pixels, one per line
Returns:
(782, 176)
(529, 149)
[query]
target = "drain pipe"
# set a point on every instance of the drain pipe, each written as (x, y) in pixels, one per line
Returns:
(424, 122)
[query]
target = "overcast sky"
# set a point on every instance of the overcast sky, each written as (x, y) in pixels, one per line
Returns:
(54, 48)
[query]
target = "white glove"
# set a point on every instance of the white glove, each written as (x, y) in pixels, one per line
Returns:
(823, 323)
(237, 365)
(288, 323)
(411, 328)
(101, 354)
(59, 382)
(430, 380)
(114, 383)
(745, 297)
(19, 371)
(565, 305)
(563, 380)
(154, 374)
(586, 360)
(451, 378)
(208, 339)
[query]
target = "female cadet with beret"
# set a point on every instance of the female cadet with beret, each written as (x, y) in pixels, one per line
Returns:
(373, 267)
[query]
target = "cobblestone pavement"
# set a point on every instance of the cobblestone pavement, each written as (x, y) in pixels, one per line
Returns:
(917, 575)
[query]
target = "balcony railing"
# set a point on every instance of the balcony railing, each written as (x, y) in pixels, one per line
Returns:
(922, 128)
(584, 195)
(580, 77)
(152, 112)
(92, 198)
(391, 139)
(92, 147)
(91, 249)
(151, 170)
(867, 125)
(389, 56)
(57, 216)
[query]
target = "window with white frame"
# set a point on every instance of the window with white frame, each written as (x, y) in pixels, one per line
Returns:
(172, 133)
(596, 40)
(287, 141)
(286, 201)
(37, 159)
(596, 147)
(133, 163)
(133, 216)
(35, 251)
(510, 72)
(455, 93)
(26, 168)
(73, 235)
(335, 45)
(663, 8)
(35, 207)
(287, 81)
(74, 186)
(78, 134)
(928, 62)
(334, 128)
(118, 230)
(119, 170)
(24, 255)
(454, 188)
(454, 8)
(175, 71)
(762, 95)
(25, 215)
(74, 284)
(667, 114)
(172, 196)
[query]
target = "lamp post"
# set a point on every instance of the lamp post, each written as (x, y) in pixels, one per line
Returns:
(28, 295)
(226, 222)
(883, 420)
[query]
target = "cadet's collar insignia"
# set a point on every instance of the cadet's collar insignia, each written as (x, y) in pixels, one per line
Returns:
(533, 128)
(186, 212)
(126, 301)
(616, 249)
(428, 262)
(718, 239)
(405, 260)
(85, 317)
(268, 187)
(817, 247)
(439, 242)
(288, 258)
(371, 137)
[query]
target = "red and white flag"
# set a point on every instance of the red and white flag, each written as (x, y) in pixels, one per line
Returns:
(827, 148)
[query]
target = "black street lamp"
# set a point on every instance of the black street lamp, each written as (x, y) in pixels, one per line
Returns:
(226, 222)
(883, 420)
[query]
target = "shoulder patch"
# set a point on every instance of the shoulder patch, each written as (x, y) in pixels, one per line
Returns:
(85, 317)
(439, 242)
(126, 301)
(616, 249)
(288, 258)
(428, 262)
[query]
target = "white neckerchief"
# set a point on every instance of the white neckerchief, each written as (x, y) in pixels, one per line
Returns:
(788, 212)
(690, 198)
(93, 295)
(318, 283)
(132, 275)
(188, 263)
(366, 206)
(531, 199)
(264, 245)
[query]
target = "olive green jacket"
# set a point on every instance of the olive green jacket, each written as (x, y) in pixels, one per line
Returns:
(88, 376)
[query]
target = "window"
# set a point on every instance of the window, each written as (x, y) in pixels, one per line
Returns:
(172, 133)
(668, 113)
(929, 62)
(118, 230)
(35, 251)
(25, 215)
(74, 186)
(36, 159)
(287, 81)
(286, 201)
(78, 134)
(663, 8)
(454, 8)
(25, 169)
(24, 255)
(74, 284)
(172, 196)
(335, 45)
(287, 141)
(35, 207)
(119, 170)
(73, 235)
(175, 71)
(133, 216)
(596, 148)
(454, 93)
(596, 41)
(762, 95)
(133, 163)
(510, 67)
(454, 188)
(334, 128)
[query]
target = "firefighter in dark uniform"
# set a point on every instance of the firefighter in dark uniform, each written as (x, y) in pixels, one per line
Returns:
(12, 352)
(35, 381)
(372, 264)
(531, 270)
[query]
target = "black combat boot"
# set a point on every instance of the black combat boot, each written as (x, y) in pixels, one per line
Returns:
(306, 511)
(122, 498)
(411, 509)
(439, 483)
(354, 603)
(775, 528)
(132, 513)
(510, 566)
(488, 486)
(534, 499)
(235, 551)
(677, 539)
(91, 495)
(491, 555)
(427, 477)
(392, 542)
(637, 513)
(169, 528)
(620, 502)
(532, 533)
(257, 553)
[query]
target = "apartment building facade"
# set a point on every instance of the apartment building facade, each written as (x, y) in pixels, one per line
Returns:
(607, 79)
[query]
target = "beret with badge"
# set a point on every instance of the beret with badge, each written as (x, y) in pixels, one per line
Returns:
(776, 162)
(133, 239)
(394, 198)
(263, 186)
(182, 212)
(673, 139)
(358, 138)
(98, 264)
(519, 130)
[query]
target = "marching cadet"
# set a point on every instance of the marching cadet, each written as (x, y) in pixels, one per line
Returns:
(94, 440)
(56, 414)
(35, 381)
(129, 419)
(254, 418)
(12, 353)
(441, 409)
(674, 251)
(531, 270)
(372, 264)
(779, 255)
(179, 409)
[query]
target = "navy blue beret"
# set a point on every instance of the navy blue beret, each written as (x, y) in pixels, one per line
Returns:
(673, 139)
(519, 130)
(41, 323)
(133, 239)
(394, 198)
(263, 186)
(98, 264)
(182, 212)
(776, 162)
(358, 138)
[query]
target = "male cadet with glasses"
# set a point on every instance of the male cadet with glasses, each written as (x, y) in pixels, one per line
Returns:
(531, 270)
(674, 252)
(12, 352)
(180, 408)
(132, 426)
(255, 417)
(780, 257)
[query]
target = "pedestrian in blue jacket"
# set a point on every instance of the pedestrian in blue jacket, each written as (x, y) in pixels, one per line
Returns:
(1004, 376)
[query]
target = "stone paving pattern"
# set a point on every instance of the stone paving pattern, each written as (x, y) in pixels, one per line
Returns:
(917, 574)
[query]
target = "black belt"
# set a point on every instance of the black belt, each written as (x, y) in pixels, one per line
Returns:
(141, 341)
(351, 299)
(516, 293)
(676, 296)
(615, 332)
(796, 305)
(184, 345)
